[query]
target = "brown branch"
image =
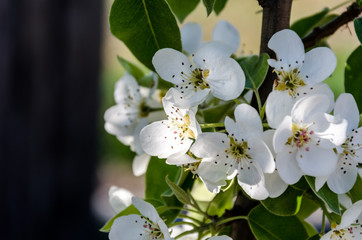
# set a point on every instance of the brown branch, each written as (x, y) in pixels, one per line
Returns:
(328, 29)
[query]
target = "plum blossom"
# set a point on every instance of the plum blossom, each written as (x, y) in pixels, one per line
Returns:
(212, 71)
(345, 175)
(148, 225)
(119, 198)
(299, 74)
(304, 142)
(130, 114)
(224, 32)
(241, 153)
(350, 227)
(174, 135)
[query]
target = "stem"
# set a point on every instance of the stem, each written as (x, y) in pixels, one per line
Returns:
(211, 125)
(231, 219)
(237, 101)
(183, 223)
(323, 224)
(191, 218)
(257, 96)
(340, 5)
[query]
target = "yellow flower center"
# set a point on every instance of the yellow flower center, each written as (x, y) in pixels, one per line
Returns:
(288, 81)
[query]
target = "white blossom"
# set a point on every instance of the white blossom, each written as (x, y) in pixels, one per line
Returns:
(304, 142)
(119, 198)
(173, 135)
(299, 74)
(148, 225)
(241, 153)
(224, 32)
(350, 227)
(212, 71)
(350, 152)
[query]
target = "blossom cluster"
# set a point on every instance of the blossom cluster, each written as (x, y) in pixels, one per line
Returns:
(300, 137)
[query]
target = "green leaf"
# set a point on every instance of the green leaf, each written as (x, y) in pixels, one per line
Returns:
(356, 191)
(315, 237)
(219, 6)
(303, 26)
(353, 76)
(131, 68)
(287, 204)
(182, 8)
(155, 178)
(358, 28)
(216, 114)
(255, 68)
(221, 202)
(307, 208)
(267, 226)
(209, 5)
(325, 194)
(129, 210)
(145, 26)
(181, 195)
(309, 228)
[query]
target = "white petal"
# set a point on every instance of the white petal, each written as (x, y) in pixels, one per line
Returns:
(211, 51)
(140, 164)
(327, 236)
(225, 32)
(180, 159)
(319, 182)
(169, 64)
(351, 214)
(249, 172)
(119, 198)
(120, 121)
(191, 98)
(268, 137)
(164, 230)
(158, 139)
(282, 134)
(234, 129)
(278, 105)
(288, 47)
(126, 140)
(306, 107)
(345, 200)
(191, 37)
(345, 175)
(127, 90)
(260, 152)
(226, 78)
(274, 184)
(355, 142)
(320, 88)
(146, 209)
(220, 238)
(210, 144)
(249, 120)
(258, 191)
(128, 227)
(316, 161)
(287, 166)
(346, 107)
(319, 63)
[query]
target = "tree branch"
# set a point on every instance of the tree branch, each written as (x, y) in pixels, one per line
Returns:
(319, 33)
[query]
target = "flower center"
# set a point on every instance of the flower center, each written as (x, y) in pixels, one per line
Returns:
(181, 126)
(350, 147)
(288, 81)
(300, 137)
(197, 79)
(237, 150)
(152, 230)
(144, 109)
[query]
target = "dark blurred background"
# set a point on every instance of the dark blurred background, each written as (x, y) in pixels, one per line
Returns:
(57, 71)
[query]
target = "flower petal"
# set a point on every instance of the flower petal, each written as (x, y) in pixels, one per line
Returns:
(191, 37)
(258, 191)
(225, 32)
(278, 105)
(351, 215)
(288, 47)
(260, 152)
(170, 64)
(146, 209)
(319, 182)
(268, 137)
(316, 161)
(128, 227)
(249, 172)
(223, 237)
(346, 107)
(287, 166)
(319, 63)
(249, 121)
(211, 51)
(119, 198)
(210, 144)
(119, 122)
(226, 79)
(345, 175)
(180, 159)
(304, 109)
(274, 184)
(140, 164)
(282, 134)
(127, 90)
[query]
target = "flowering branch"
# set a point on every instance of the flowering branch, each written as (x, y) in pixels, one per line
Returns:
(319, 33)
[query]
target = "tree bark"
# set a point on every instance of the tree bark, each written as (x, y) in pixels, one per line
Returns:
(49, 68)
